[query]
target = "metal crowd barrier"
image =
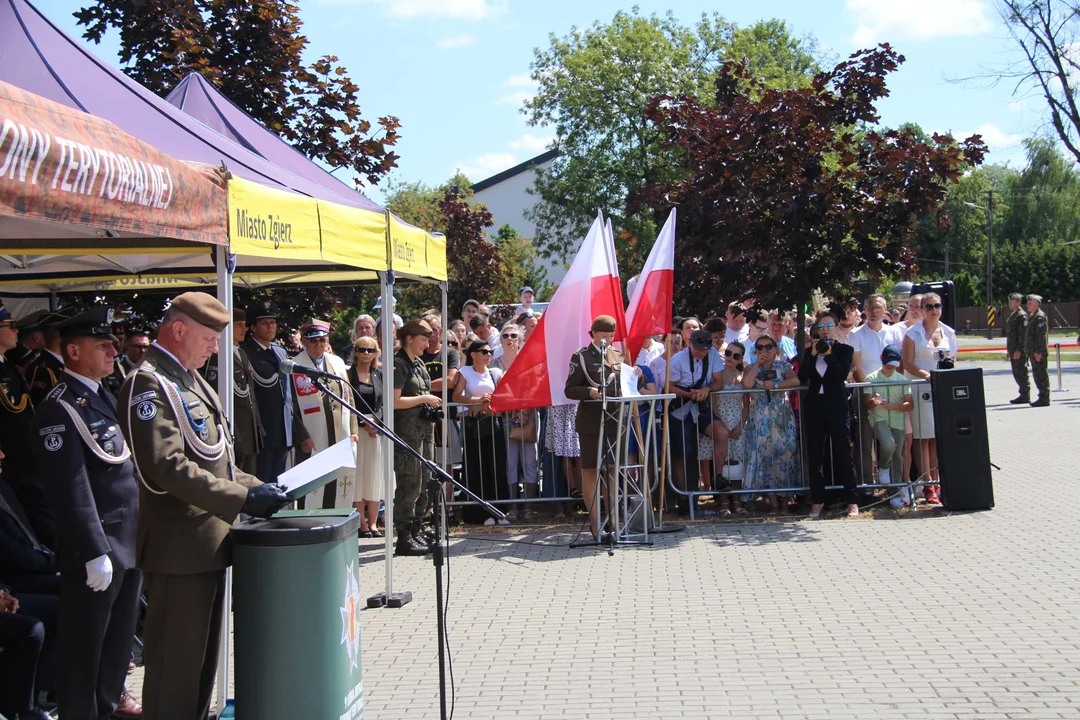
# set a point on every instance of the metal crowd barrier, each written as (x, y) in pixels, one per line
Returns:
(481, 462)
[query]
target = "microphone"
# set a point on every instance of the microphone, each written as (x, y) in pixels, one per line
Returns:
(291, 367)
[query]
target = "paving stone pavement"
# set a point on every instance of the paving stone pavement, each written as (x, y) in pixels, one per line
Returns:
(944, 615)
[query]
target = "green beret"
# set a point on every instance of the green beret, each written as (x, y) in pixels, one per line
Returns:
(603, 323)
(204, 309)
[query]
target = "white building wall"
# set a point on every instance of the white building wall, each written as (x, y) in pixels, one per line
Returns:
(508, 202)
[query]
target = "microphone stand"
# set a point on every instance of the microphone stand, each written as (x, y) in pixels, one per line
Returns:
(435, 480)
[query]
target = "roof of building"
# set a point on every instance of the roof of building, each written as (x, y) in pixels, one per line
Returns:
(516, 170)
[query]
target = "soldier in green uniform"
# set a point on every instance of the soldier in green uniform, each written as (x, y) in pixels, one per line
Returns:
(1014, 348)
(189, 497)
(594, 371)
(1035, 345)
(414, 422)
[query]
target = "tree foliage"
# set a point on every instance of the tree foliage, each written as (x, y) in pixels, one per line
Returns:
(520, 268)
(593, 87)
(1047, 33)
(252, 52)
(782, 196)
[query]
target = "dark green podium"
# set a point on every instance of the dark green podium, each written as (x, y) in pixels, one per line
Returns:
(296, 605)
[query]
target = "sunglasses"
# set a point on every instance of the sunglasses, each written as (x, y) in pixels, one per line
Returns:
(822, 326)
(366, 351)
(931, 306)
(510, 336)
(485, 351)
(764, 348)
(452, 344)
(733, 356)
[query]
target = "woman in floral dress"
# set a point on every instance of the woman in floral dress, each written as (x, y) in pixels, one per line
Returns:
(771, 440)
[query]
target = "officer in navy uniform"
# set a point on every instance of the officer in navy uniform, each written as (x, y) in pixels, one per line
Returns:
(88, 472)
(16, 415)
(246, 423)
(282, 427)
(31, 340)
(44, 371)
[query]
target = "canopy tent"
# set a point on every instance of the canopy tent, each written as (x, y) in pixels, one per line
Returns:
(39, 57)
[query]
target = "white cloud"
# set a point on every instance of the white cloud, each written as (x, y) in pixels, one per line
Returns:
(458, 9)
(995, 138)
(453, 42)
(515, 98)
(531, 143)
(522, 80)
(888, 20)
(487, 165)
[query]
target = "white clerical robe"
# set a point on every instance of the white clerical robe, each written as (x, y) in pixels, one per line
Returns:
(327, 423)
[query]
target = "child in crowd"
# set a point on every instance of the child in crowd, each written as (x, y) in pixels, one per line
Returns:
(887, 405)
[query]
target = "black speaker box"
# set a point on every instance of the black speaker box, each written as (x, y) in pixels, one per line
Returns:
(947, 291)
(963, 448)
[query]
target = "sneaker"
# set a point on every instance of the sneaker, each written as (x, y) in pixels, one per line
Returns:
(490, 521)
(897, 503)
(504, 521)
(884, 477)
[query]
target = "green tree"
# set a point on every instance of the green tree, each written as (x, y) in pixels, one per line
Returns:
(520, 268)
(593, 87)
(1043, 199)
(253, 52)
(782, 198)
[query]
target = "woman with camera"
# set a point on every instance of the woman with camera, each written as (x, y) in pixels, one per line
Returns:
(773, 462)
(485, 446)
(824, 369)
(928, 345)
(415, 414)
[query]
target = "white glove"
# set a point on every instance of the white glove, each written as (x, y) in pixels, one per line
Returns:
(99, 573)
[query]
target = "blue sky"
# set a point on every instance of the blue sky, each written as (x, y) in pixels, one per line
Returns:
(455, 71)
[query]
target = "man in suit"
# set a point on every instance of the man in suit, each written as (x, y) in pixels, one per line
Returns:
(82, 459)
(247, 425)
(44, 371)
(282, 426)
(16, 414)
(189, 498)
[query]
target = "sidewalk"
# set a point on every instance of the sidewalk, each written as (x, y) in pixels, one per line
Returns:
(943, 616)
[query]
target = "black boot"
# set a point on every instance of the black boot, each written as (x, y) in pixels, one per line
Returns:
(1020, 400)
(424, 538)
(1043, 401)
(406, 546)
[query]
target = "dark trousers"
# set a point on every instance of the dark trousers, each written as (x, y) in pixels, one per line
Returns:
(21, 640)
(183, 631)
(271, 463)
(826, 418)
(96, 632)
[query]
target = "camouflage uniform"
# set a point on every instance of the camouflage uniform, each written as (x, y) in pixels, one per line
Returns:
(411, 496)
(1015, 343)
(1035, 341)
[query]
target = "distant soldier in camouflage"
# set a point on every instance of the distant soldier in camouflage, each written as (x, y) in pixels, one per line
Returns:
(1014, 348)
(1035, 344)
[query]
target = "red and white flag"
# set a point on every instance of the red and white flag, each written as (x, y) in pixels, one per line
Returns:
(652, 303)
(591, 287)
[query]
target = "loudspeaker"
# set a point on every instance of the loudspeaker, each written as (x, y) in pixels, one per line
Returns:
(963, 448)
(947, 291)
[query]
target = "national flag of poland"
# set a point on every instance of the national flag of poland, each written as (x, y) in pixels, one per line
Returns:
(653, 301)
(591, 287)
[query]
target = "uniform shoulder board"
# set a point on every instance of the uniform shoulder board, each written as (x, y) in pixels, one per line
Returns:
(57, 391)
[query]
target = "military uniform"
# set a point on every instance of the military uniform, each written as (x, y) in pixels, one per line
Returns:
(588, 371)
(247, 424)
(115, 380)
(189, 499)
(1015, 343)
(1035, 341)
(411, 495)
(16, 416)
(43, 373)
(82, 457)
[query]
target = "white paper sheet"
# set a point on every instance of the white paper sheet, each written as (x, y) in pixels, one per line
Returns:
(318, 470)
(628, 382)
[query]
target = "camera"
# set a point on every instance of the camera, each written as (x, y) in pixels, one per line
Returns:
(822, 346)
(431, 414)
(944, 362)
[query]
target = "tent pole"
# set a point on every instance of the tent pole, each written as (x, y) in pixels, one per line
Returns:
(224, 389)
(386, 281)
(447, 464)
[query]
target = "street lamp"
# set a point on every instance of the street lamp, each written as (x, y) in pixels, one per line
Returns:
(989, 256)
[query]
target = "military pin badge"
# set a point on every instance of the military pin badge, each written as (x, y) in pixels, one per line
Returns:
(80, 401)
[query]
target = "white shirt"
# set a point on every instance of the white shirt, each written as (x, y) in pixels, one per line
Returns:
(646, 357)
(741, 335)
(685, 376)
(92, 384)
(869, 344)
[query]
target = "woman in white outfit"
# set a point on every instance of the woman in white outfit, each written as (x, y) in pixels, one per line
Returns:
(370, 477)
(924, 345)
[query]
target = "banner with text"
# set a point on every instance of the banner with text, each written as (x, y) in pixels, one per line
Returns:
(265, 222)
(61, 165)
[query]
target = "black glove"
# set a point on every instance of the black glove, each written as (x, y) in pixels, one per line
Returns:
(265, 500)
